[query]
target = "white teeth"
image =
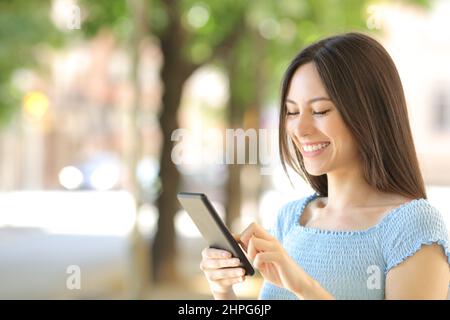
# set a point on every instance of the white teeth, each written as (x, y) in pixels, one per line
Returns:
(315, 147)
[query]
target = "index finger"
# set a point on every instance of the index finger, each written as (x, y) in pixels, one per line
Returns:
(256, 230)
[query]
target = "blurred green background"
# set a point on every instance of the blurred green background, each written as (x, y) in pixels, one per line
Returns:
(109, 108)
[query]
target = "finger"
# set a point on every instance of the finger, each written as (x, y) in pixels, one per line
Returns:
(219, 263)
(243, 246)
(254, 230)
(251, 250)
(256, 245)
(237, 237)
(263, 245)
(213, 253)
(230, 281)
(265, 257)
(221, 274)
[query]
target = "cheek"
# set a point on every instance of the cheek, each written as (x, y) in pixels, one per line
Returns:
(340, 137)
(346, 147)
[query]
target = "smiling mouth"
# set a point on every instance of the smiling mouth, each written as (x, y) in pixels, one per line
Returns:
(313, 149)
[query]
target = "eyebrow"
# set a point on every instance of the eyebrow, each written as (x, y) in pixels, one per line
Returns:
(310, 100)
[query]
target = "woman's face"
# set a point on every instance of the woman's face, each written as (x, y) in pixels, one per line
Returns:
(315, 125)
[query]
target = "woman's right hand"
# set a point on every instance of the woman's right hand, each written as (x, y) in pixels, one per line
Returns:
(222, 271)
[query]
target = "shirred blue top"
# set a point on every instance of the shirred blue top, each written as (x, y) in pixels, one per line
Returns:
(354, 264)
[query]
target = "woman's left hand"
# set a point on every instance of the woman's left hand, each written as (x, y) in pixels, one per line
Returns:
(269, 257)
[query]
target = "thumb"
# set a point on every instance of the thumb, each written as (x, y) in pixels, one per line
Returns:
(237, 237)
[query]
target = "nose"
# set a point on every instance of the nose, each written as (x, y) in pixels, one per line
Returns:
(300, 126)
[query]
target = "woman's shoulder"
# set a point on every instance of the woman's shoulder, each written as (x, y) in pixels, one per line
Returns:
(416, 212)
(411, 226)
(415, 221)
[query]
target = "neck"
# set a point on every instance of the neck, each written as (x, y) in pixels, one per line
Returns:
(348, 189)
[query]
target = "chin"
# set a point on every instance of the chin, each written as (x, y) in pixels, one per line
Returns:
(315, 173)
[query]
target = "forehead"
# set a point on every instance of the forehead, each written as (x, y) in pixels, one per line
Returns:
(306, 83)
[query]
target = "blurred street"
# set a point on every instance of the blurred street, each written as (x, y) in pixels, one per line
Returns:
(34, 264)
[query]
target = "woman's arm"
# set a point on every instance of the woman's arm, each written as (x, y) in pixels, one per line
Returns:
(275, 265)
(424, 275)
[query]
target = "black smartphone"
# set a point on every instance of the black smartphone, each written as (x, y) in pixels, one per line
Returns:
(211, 226)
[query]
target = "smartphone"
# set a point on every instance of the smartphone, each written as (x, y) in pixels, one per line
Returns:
(212, 227)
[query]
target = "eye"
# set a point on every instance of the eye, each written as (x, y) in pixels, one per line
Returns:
(320, 113)
(292, 113)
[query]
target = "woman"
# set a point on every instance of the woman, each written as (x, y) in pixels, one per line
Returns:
(368, 232)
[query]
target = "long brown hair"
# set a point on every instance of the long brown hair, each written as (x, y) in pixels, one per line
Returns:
(363, 83)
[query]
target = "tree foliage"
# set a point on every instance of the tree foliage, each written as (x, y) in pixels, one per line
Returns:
(24, 25)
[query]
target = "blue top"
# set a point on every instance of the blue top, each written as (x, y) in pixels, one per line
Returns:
(354, 264)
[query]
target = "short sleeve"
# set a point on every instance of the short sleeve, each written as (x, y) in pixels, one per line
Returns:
(410, 227)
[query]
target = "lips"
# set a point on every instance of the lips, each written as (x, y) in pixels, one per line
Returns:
(314, 148)
(312, 143)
